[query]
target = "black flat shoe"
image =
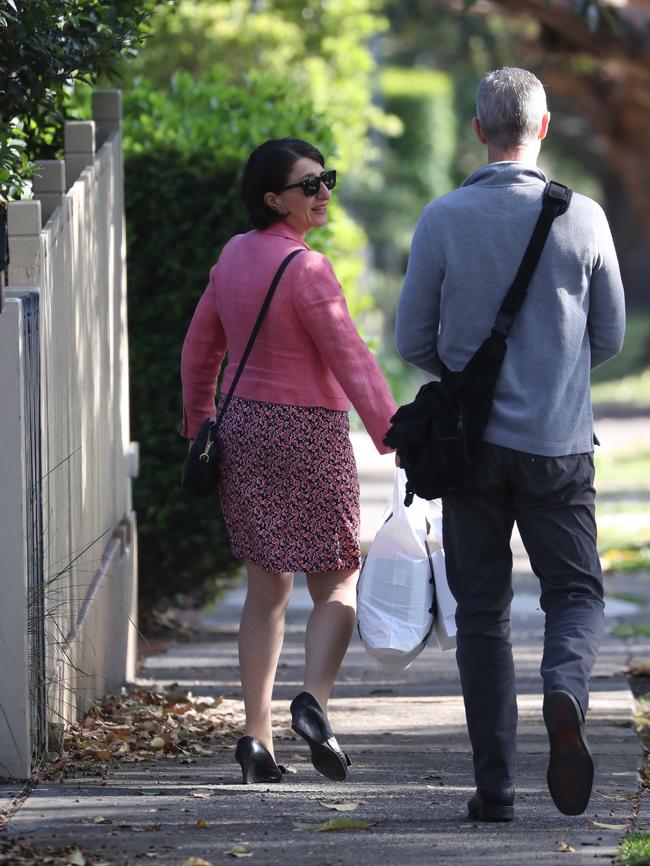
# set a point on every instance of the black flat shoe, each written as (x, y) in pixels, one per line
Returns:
(570, 767)
(492, 805)
(256, 762)
(308, 720)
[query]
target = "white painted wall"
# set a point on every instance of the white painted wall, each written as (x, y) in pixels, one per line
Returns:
(76, 262)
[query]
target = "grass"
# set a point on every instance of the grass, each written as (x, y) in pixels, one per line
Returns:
(630, 366)
(634, 850)
(631, 629)
(624, 523)
(630, 389)
(631, 559)
(621, 470)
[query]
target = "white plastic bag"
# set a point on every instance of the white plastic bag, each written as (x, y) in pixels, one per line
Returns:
(395, 592)
(444, 626)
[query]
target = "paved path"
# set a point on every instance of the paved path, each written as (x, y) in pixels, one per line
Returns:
(412, 767)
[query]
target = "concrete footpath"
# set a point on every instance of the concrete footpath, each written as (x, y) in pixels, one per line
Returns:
(405, 732)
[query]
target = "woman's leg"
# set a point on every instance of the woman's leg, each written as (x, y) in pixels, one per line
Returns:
(329, 629)
(261, 632)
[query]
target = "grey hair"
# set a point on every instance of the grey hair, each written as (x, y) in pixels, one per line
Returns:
(510, 104)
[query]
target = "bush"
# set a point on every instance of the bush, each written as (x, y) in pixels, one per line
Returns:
(184, 151)
(46, 45)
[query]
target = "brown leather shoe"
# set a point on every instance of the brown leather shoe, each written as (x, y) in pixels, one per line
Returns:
(570, 768)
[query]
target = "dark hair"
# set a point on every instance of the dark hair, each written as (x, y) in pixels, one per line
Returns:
(267, 170)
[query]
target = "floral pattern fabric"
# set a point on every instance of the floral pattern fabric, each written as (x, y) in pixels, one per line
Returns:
(289, 487)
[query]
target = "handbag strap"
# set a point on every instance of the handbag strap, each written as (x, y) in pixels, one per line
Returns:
(556, 200)
(253, 336)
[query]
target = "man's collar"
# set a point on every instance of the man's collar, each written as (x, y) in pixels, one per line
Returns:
(505, 174)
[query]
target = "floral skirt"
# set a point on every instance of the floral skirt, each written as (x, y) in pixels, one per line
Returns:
(289, 487)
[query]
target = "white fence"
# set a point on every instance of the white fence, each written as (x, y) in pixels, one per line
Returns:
(67, 528)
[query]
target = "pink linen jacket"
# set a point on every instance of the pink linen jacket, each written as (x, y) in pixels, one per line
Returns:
(308, 351)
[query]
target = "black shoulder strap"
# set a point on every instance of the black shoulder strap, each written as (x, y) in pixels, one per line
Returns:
(256, 328)
(557, 198)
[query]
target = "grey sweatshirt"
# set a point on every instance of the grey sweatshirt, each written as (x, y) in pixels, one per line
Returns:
(465, 252)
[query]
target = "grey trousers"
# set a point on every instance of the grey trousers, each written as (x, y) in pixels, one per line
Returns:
(552, 501)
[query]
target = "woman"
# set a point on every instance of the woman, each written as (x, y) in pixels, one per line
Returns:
(289, 488)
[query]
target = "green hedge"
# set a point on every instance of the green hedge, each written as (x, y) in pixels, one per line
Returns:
(184, 151)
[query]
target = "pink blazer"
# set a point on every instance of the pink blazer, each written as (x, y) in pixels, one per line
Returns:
(308, 351)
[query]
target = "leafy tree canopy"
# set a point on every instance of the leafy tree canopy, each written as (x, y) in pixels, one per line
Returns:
(321, 49)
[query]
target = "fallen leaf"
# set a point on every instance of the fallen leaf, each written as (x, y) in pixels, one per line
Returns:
(200, 795)
(602, 826)
(76, 858)
(202, 824)
(344, 824)
(239, 851)
(195, 861)
(290, 769)
(340, 807)
(564, 847)
(335, 824)
(157, 743)
(101, 820)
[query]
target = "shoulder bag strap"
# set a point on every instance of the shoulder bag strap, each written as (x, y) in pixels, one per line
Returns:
(253, 336)
(557, 198)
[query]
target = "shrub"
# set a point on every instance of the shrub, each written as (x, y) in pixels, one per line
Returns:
(46, 45)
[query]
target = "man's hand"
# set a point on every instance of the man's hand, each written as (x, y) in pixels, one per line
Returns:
(397, 463)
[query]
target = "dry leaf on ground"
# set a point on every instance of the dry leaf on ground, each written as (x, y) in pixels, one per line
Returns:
(344, 824)
(195, 861)
(335, 824)
(239, 851)
(564, 847)
(602, 826)
(142, 724)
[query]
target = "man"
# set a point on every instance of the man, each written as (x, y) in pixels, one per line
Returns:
(535, 465)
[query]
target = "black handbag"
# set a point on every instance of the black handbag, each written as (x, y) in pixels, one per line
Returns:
(438, 434)
(201, 467)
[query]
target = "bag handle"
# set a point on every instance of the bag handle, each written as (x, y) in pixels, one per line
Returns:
(253, 336)
(556, 200)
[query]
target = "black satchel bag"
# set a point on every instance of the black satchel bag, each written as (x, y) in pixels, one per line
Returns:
(201, 467)
(438, 434)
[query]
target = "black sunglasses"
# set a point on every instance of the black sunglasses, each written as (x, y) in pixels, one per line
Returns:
(311, 185)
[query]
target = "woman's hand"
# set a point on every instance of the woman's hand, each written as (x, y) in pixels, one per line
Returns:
(397, 463)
